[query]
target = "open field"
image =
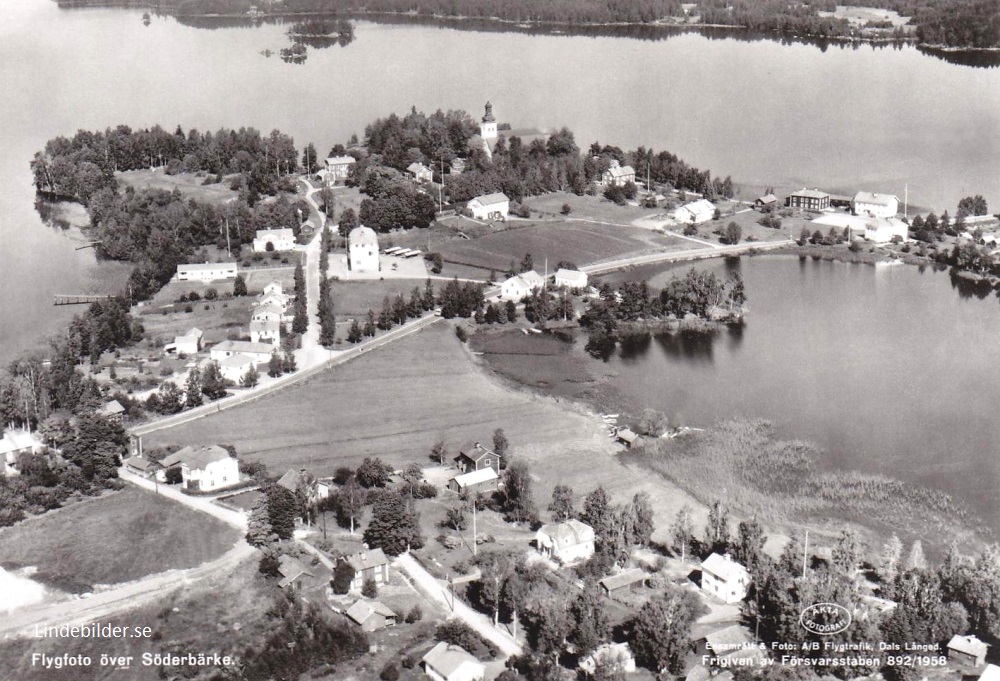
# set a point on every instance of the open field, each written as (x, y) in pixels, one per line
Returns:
(189, 184)
(588, 207)
(117, 538)
(578, 242)
(863, 15)
(218, 319)
(397, 402)
(355, 298)
(225, 614)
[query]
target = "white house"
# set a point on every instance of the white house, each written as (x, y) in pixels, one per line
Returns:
(277, 239)
(696, 212)
(617, 655)
(204, 467)
(571, 278)
(267, 313)
(448, 662)
(566, 542)
(488, 126)
(235, 368)
(258, 352)
(494, 206)
(206, 272)
(265, 331)
(273, 288)
(874, 205)
(362, 248)
(521, 285)
(420, 172)
(14, 444)
(370, 565)
(275, 299)
(617, 175)
(724, 578)
(189, 343)
(336, 169)
(884, 230)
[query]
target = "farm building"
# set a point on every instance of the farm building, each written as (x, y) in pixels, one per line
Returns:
(571, 278)
(490, 206)
(624, 581)
(420, 173)
(473, 457)
(482, 480)
(874, 205)
(204, 468)
(235, 368)
(617, 175)
(967, 651)
(258, 352)
(448, 662)
(808, 199)
(146, 468)
(724, 578)
(362, 249)
(566, 542)
(188, 344)
(370, 564)
(274, 240)
(371, 616)
(206, 272)
(696, 212)
(765, 202)
(521, 285)
(626, 437)
(884, 230)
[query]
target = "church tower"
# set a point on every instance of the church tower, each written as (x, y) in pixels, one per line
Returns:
(488, 128)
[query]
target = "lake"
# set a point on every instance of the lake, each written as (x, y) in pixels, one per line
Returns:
(890, 370)
(764, 112)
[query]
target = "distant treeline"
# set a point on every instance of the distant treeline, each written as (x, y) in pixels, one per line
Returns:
(79, 166)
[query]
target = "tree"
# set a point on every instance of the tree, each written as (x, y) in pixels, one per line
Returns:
(889, 560)
(369, 589)
(259, 531)
(561, 506)
(661, 631)
(733, 233)
(213, 385)
(456, 518)
(327, 320)
(250, 378)
(275, 365)
(394, 527)
(439, 452)
(354, 334)
(496, 568)
(239, 286)
(282, 510)
(804, 236)
(641, 526)
(749, 547)
(351, 499)
(972, 205)
(310, 161)
(916, 560)
(590, 624)
(192, 393)
(500, 443)
(717, 529)
(682, 531)
(511, 309)
(373, 473)
(519, 504)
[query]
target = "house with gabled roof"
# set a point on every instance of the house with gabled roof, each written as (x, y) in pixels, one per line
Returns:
(420, 173)
(204, 468)
(967, 651)
(336, 169)
(265, 331)
(113, 411)
(765, 202)
(566, 542)
(14, 443)
(362, 249)
(206, 272)
(449, 662)
(235, 368)
(495, 206)
(258, 352)
(293, 480)
(370, 564)
(724, 578)
(520, 285)
(870, 204)
(188, 344)
(473, 456)
(371, 615)
(808, 199)
(292, 571)
(146, 468)
(696, 212)
(617, 175)
(571, 279)
(623, 581)
(483, 480)
(274, 240)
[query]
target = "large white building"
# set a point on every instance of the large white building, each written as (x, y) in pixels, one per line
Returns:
(362, 249)
(884, 230)
(571, 278)
(696, 212)
(873, 205)
(617, 175)
(206, 272)
(494, 206)
(277, 239)
(265, 331)
(188, 344)
(566, 542)
(724, 578)
(488, 126)
(204, 468)
(521, 285)
(336, 169)
(258, 352)
(235, 368)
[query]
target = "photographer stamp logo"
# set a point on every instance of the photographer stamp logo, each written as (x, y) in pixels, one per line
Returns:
(825, 619)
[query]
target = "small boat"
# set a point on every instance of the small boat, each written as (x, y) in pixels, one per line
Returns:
(888, 263)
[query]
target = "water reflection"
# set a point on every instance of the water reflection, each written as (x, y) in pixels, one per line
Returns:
(969, 288)
(696, 346)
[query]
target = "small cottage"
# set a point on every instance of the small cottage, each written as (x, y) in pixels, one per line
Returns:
(420, 173)
(188, 344)
(448, 662)
(266, 331)
(724, 578)
(113, 411)
(474, 456)
(483, 480)
(14, 444)
(571, 279)
(521, 285)
(371, 564)
(295, 480)
(257, 352)
(371, 616)
(967, 651)
(566, 542)
(494, 206)
(336, 169)
(235, 368)
(696, 212)
(766, 202)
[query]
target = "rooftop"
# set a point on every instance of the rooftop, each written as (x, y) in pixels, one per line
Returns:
(623, 579)
(877, 199)
(492, 199)
(282, 231)
(572, 531)
(196, 456)
(367, 559)
(362, 610)
(446, 659)
(970, 645)
(340, 160)
(811, 194)
(111, 408)
(476, 477)
(199, 266)
(242, 346)
(724, 567)
(363, 236)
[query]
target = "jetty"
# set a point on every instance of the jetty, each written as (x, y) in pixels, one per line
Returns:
(77, 299)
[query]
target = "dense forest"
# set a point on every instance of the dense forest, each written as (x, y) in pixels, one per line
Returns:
(950, 23)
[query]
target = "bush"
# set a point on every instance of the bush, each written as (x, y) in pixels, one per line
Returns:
(369, 589)
(211, 294)
(425, 491)
(566, 209)
(461, 333)
(415, 615)
(194, 297)
(410, 661)
(390, 672)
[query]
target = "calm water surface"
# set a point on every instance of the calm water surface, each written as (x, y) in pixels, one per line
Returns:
(890, 370)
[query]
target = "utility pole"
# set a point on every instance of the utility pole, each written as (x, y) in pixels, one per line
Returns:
(805, 553)
(229, 249)
(906, 201)
(475, 544)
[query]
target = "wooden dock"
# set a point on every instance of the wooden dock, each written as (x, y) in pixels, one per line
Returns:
(81, 299)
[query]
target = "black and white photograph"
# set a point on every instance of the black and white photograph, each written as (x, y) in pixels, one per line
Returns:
(500, 340)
